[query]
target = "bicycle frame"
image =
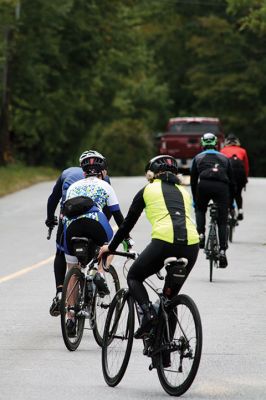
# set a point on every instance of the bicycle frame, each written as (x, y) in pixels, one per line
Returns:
(164, 303)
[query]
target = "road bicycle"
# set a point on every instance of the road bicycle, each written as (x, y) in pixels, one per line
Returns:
(211, 248)
(231, 224)
(174, 343)
(82, 300)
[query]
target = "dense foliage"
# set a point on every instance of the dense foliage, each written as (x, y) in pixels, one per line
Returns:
(103, 74)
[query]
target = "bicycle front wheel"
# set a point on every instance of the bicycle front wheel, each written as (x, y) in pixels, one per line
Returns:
(101, 304)
(118, 337)
(179, 359)
(71, 304)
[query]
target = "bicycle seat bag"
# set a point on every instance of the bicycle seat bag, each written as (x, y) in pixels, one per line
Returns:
(176, 274)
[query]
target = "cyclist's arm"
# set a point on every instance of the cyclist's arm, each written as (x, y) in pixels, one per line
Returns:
(54, 198)
(126, 226)
(194, 175)
(246, 163)
(232, 183)
(118, 217)
(107, 179)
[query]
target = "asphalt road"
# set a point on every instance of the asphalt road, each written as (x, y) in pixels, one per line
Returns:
(34, 363)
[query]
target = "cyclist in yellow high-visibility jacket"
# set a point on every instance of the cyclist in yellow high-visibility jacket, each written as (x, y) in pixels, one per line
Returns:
(168, 207)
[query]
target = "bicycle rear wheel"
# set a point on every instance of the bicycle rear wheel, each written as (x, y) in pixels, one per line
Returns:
(179, 361)
(213, 250)
(71, 302)
(101, 304)
(118, 337)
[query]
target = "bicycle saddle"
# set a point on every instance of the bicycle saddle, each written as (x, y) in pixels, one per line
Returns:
(180, 261)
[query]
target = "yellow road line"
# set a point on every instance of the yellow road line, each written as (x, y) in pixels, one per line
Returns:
(26, 270)
(32, 267)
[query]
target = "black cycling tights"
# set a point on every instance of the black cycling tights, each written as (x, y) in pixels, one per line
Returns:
(219, 193)
(151, 260)
(59, 268)
(59, 261)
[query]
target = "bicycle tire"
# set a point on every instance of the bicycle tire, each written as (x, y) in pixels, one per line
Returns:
(101, 305)
(118, 337)
(72, 343)
(186, 333)
(212, 250)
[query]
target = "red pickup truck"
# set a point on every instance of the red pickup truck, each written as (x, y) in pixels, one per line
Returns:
(182, 138)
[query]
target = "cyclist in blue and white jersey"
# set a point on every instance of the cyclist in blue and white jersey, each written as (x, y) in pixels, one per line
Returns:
(92, 223)
(58, 195)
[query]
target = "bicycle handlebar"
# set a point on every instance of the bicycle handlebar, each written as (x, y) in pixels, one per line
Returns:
(50, 229)
(126, 254)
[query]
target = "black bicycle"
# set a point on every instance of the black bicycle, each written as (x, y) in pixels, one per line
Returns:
(174, 344)
(212, 244)
(82, 300)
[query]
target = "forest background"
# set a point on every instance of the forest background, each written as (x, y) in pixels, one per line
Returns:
(108, 74)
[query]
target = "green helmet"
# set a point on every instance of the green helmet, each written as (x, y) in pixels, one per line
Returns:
(208, 140)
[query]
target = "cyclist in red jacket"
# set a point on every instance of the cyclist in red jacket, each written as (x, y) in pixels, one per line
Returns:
(240, 166)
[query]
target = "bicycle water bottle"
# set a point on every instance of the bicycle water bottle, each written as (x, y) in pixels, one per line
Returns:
(90, 283)
(156, 306)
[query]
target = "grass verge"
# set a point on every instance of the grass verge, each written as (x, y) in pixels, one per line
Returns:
(17, 177)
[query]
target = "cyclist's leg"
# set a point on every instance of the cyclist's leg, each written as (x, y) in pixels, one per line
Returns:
(59, 270)
(221, 197)
(203, 197)
(148, 263)
(239, 200)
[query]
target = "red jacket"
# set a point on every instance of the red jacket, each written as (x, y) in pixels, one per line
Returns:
(241, 153)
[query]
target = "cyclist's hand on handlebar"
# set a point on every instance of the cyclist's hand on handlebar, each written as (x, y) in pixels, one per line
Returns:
(104, 249)
(128, 244)
(51, 223)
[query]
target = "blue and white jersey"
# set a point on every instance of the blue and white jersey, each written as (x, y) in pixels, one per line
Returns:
(101, 193)
(97, 189)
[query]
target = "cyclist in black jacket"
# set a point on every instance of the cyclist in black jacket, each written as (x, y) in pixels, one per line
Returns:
(212, 179)
(58, 195)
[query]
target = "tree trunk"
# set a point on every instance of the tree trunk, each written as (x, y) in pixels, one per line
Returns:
(5, 153)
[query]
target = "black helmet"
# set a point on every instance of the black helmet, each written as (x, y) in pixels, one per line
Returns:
(208, 140)
(162, 163)
(231, 139)
(92, 162)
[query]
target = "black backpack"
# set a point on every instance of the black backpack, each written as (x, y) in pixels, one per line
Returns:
(77, 206)
(238, 168)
